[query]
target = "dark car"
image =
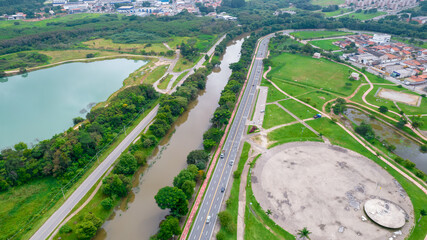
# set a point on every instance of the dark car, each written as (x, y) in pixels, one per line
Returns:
(222, 189)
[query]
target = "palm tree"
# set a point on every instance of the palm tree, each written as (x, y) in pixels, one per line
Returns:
(268, 212)
(303, 234)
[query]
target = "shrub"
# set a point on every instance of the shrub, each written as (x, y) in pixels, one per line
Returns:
(423, 148)
(365, 130)
(127, 164)
(398, 159)
(419, 174)
(383, 109)
(408, 164)
(90, 55)
(107, 203)
(65, 229)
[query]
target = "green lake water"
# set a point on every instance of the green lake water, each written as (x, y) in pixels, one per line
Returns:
(43, 103)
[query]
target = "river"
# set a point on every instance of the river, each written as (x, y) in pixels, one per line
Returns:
(141, 216)
(405, 148)
(40, 104)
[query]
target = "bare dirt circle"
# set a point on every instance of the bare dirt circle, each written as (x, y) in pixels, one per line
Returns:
(324, 187)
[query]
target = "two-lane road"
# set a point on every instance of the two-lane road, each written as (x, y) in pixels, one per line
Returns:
(214, 195)
(47, 228)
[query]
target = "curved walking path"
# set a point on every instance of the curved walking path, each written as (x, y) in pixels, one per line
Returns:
(404, 174)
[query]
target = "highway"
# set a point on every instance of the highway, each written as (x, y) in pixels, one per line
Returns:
(214, 196)
(49, 226)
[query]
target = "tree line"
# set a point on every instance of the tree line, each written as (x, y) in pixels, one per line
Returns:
(66, 154)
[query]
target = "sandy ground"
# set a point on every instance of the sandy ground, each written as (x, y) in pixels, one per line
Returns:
(407, 98)
(323, 187)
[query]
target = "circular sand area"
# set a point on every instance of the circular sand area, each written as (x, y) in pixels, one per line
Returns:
(324, 188)
(385, 213)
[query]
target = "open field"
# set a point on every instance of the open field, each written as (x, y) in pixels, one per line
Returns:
(344, 181)
(396, 96)
(362, 16)
(299, 109)
(108, 44)
(274, 116)
(293, 133)
(65, 55)
(156, 74)
(318, 34)
(319, 73)
(326, 44)
(165, 81)
(337, 12)
(183, 63)
(20, 204)
(327, 2)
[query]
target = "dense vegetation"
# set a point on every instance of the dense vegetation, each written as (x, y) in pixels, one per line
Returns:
(66, 154)
(26, 6)
(22, 60)
(69, 34)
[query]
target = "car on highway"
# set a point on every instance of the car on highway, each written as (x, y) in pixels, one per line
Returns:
(222, 189)
(208, 219)
(222, 155)
(231, 162)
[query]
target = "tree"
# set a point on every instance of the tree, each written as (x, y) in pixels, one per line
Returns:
(88, 227)
(383, 109)
(226, 221)
(115, 185)
(423, 148)
(169, 228)
(20, 146)
(127, 164)
(184, 175)
(303, 233)
(188, 188)
(197, 156)
(107, 203)
(77, 120)
(268, 212)
(173, 199)
(365, 130)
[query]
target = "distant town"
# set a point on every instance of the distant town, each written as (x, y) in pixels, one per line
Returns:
(128, 7)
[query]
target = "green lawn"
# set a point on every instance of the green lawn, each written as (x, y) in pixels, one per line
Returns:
(318, 34)
(179, 78)
(184, 63)
(156, 74)
(165, 81)
(326, 44)
(424, 126)
(362, 16)
(232, 203)
(327, 2)
(316, 98)
(273, 94)
(20, 204)
(319, 73)
(337, 12)
(299, 109)
(291, 133)
(274, 116)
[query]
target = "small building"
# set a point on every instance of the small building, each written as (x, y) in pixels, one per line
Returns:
(317, 55)
(125, 9)
(416, 80)
(355, 76)
(381, 38)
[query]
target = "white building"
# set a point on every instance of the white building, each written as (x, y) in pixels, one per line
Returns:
(381, 38)
(383, 4)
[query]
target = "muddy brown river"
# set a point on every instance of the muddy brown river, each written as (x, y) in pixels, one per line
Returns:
(139, 217)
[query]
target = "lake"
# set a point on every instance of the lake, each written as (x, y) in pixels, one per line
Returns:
(40, 104)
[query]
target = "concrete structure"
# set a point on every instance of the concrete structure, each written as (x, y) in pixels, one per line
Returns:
(355, 76)
(381, 38)
(385, 213)
(317, 55)
(125, 9)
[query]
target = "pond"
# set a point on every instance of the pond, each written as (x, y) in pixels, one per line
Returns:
(405, 148)
(40, 104)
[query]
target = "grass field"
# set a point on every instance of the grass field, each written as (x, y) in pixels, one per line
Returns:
(20, 204)
(65, 55)
(107, 44)
(293, 133)
(318, 34)
(179, 78)
(165, 81)
(183, 63)
(274, 116)
(363, 16)
(326, 44)
(337, 12)
(327, 2)
(299, 109)
(273, 94)
(320, 73)
(233, 201)
(156, 74)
